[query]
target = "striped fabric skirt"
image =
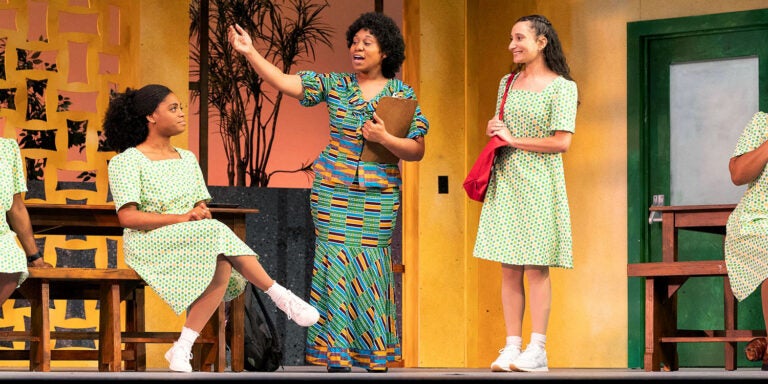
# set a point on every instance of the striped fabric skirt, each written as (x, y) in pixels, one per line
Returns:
(352, 279)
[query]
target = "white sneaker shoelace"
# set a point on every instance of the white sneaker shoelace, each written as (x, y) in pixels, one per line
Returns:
(533, 359)
(296, 309)
(176, 359)
(506, 356)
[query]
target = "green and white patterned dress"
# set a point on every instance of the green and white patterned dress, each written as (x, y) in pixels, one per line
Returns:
(525, 219)
(178, 261)
(746, 239)
(12, 259)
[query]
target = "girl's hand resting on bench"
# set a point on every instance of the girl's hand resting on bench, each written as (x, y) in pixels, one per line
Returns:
(39, 263)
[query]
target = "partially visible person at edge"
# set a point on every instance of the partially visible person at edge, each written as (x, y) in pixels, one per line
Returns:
(13, 265)
(746, 237)
(525, 220)
(354, 203)
(192, 261)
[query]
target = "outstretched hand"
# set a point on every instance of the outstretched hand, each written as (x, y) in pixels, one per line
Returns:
(239, 39)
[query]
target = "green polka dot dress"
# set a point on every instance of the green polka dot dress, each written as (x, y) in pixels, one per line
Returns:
(525, 219)
(746, 239)
(12, 257)
(178, 260)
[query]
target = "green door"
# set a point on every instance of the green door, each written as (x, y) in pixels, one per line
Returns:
(693, 84)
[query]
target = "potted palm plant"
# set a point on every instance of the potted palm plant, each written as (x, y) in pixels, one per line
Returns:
(286, 32)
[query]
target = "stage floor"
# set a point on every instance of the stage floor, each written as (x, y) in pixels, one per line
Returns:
(315, 373)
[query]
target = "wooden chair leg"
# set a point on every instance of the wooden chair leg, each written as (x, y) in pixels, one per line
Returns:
(237, 338)
(110, 358)
(730, 317)
(666, 324)
(139, 322)
(134, 323)
(220, 348)
(652, 357)
(35, 297)
(660, 320)
(211, 357)
(41, 325)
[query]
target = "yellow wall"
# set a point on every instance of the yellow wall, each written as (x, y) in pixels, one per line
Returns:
(452, 309)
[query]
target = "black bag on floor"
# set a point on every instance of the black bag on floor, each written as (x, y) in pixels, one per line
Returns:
(263, 350)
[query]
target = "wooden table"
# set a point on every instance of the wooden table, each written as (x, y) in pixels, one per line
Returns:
(101, 220)
(663, 280)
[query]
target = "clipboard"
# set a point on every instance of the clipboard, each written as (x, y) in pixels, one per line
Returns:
(397, 114)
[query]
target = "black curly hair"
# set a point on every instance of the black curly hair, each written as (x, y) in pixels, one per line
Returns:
(125, 123)
(387, 33)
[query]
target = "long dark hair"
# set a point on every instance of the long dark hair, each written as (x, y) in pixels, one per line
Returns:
(390, 39)
(125, 123)
(553, 52)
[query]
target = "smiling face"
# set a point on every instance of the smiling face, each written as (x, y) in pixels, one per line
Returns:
(524, 44)
(168, 118)
(365, 52)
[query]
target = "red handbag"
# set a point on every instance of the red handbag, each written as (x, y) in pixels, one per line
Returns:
(476, 182)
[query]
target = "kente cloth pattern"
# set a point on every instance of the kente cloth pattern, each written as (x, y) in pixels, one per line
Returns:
(352, 278)
(347, 111)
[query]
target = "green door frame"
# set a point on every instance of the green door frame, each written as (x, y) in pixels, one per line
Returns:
(639, 37)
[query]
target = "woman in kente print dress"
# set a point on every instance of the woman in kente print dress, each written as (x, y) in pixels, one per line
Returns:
(525, 220)
(13, 265)
(354, 203)
(746, 238)
(192, 261)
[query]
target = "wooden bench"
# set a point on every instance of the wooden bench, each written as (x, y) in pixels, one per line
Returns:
(110, 287)
(664, 279)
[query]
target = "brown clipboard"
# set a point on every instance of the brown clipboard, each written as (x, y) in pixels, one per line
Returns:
(397, 115)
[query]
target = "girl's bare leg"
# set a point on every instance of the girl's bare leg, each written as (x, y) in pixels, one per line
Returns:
(513, 298)
(295, 307)
(252, 270)
(203, 308)
(8, 283)
(540, 297)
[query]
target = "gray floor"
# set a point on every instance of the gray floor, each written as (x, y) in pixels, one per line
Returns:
(313, 373)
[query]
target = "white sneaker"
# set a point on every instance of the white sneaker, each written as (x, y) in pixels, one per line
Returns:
(533, 359)
(297, 309)
(506, 356)
(179, 359)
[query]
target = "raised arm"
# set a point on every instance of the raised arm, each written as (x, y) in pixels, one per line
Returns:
(287, 84)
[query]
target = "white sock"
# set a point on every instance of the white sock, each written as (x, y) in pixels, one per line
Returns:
(275, 291)
(538, 339)
(515, 341)
(187, 338)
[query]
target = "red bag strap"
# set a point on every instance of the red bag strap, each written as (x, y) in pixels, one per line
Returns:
(510, 80)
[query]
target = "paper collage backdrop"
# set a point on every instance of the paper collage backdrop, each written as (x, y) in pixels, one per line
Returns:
(59, 62)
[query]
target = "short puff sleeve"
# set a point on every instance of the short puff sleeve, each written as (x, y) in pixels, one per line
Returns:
(124, 180)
